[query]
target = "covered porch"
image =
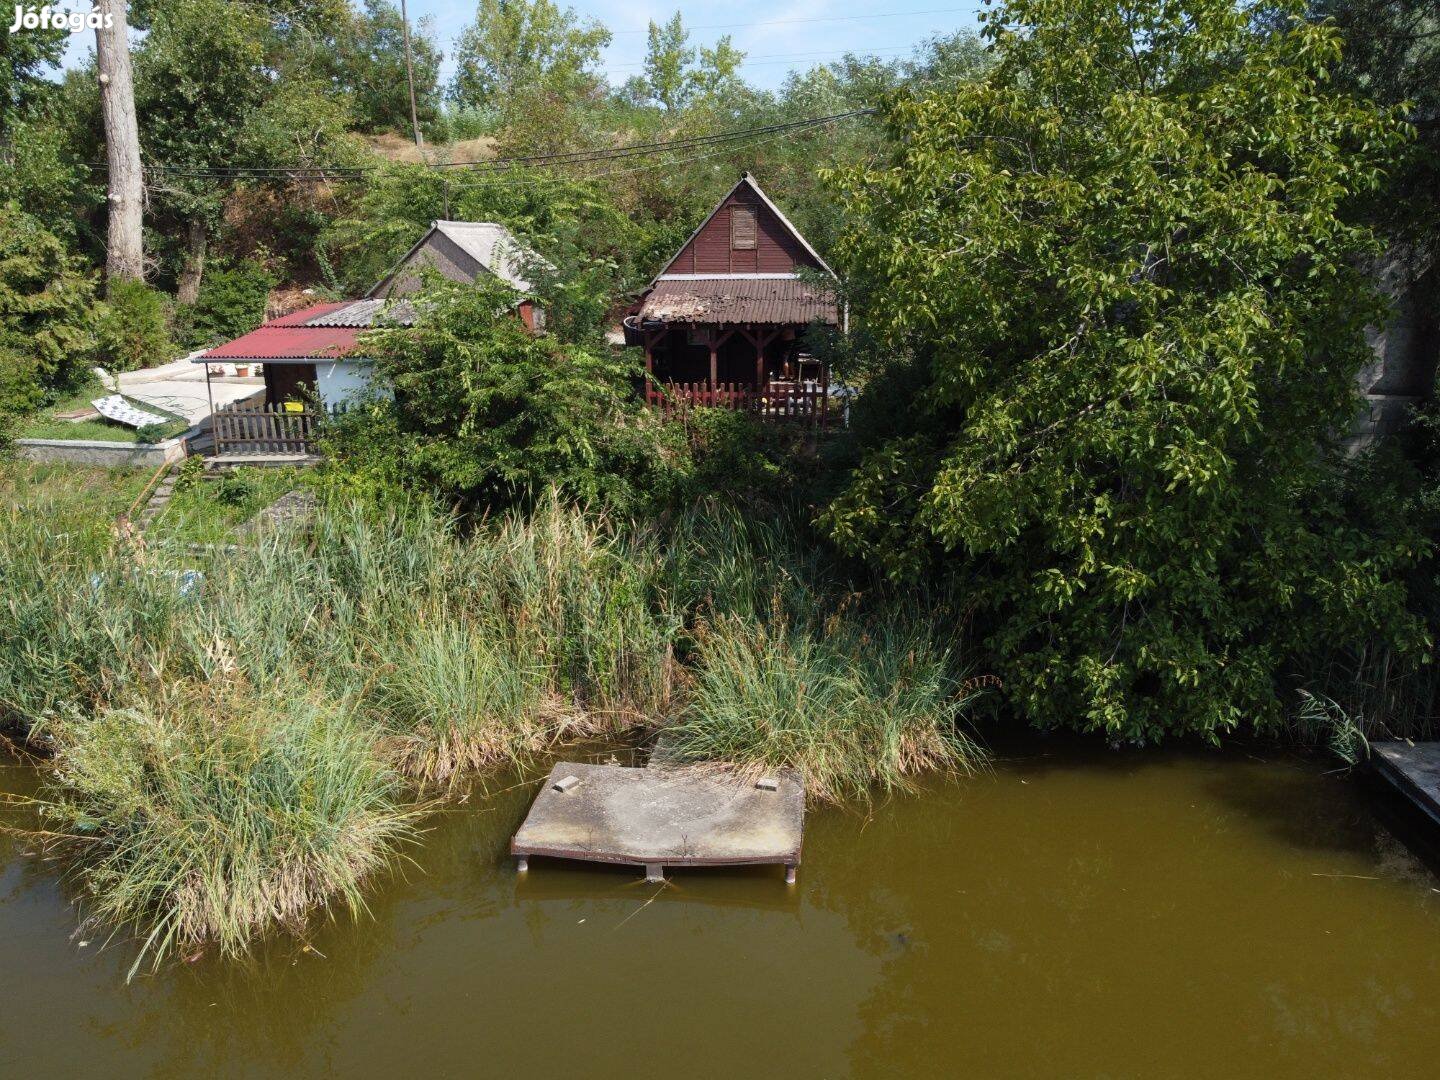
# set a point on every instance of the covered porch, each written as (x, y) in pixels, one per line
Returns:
(764, 369)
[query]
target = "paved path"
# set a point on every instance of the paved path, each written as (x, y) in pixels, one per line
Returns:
(179, 387)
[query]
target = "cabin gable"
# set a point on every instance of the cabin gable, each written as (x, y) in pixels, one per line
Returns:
(743, 236)
(435, 252)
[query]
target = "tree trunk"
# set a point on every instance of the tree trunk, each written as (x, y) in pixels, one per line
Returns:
(188, 287)
(125, 258)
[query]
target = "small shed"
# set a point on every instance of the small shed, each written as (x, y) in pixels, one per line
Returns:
(316, 353)
(462, 251)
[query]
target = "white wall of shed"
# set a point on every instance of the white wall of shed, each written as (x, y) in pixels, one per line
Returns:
(342, 382)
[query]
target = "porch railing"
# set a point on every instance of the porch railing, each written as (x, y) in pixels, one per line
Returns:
(241, 428)
(807, 402)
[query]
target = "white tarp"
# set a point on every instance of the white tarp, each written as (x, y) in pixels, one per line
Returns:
(121, 411)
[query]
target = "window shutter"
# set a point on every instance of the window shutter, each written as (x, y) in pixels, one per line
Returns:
(742, 228)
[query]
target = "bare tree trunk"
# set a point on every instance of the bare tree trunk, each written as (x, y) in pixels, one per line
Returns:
(187, 289)
(125, 259)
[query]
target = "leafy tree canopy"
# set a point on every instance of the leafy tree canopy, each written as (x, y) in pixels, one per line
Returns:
(517, 48)
(1123, 320)
(677, 74)
(487, 414)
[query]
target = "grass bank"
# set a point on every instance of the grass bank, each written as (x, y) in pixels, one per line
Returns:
(47, 423)
(231, 755)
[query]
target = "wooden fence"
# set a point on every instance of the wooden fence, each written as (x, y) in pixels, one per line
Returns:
(259, 429)
(774, 401)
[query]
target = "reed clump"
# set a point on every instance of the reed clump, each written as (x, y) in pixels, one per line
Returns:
(194, 819)
(856, 704)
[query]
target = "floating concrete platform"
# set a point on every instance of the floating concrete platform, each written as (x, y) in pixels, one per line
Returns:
(1414, 769)
(654, 818)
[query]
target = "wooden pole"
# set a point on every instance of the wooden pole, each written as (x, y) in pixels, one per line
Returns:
(410, 74)
(714, 359)
(649, 363)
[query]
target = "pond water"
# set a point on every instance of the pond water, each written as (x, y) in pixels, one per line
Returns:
(1069, 914)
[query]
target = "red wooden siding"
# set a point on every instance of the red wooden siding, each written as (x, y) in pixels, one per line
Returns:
(777, 250)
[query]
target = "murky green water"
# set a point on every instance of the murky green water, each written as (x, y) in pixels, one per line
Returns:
(1070, 915)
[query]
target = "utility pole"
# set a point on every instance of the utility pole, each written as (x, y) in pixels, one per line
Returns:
(125, 256)
(410, 73)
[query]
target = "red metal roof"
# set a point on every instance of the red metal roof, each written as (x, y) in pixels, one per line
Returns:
(288, 338)
(304, 315)
(772, 301)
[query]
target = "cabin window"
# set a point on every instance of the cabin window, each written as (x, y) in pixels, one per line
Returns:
(742, 228)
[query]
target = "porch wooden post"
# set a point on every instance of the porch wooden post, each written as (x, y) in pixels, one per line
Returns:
(759, 340)
(649, 364)
(714, 360)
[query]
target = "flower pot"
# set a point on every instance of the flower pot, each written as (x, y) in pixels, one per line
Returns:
(242, 371)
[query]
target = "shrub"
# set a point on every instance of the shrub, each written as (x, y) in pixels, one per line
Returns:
(231, 302)
(133, 331)
(46, 314)
(487, 415)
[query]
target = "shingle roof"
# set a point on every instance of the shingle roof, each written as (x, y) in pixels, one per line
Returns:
(739, 300)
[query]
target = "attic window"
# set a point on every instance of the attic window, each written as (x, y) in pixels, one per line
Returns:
(742, 228)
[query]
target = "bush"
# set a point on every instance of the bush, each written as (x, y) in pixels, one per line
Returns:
(133, 332)
(46, 315)
(231, 303)
(488, 415)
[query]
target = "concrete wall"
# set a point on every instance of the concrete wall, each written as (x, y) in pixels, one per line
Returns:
(113, 455)
(1407, 348)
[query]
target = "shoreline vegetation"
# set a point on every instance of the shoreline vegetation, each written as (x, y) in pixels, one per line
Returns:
(227, 760)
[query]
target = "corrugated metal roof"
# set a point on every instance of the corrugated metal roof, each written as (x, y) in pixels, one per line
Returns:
(363, 314)
(304, 315)
(291, 337)
(739, 300)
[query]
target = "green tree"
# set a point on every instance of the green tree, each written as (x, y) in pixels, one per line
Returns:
(486, 414)
(368, 61)
(199, 77)
(46, 314)
(25, 57)
(517, 48)
(1128, 320)
(673, 78)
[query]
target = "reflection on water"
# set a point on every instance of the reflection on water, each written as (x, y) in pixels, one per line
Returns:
(1071, 914)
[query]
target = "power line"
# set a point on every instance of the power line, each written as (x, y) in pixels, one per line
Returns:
(826, 19)
(787, 57)
(604, 154)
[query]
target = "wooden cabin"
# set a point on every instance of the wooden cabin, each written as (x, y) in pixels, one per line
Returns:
(726, 322)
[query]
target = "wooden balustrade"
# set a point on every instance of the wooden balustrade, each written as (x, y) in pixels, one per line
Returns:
(774, 401)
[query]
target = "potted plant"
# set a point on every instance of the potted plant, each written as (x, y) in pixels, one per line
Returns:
(242, 371)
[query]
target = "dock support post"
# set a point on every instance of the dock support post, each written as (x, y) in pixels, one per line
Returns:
(790, 875)
(522, 863)
(654, 872)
